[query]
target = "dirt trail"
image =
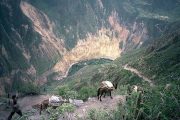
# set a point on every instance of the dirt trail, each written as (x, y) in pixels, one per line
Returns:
(27, 102)
(93, 103)
(126, 67)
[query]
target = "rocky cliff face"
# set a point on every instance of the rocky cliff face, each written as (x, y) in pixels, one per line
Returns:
(43, 35)
(101, 43)
(43, 26)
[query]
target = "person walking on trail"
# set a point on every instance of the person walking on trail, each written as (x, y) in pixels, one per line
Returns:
(15, 107)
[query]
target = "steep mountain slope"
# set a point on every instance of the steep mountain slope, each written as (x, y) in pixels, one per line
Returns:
(42, 37)
(23, 53)
(162, 63)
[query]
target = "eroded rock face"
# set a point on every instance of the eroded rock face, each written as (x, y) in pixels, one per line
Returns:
(105, 43)
(43, 26)
(99, 45)
(94, 46)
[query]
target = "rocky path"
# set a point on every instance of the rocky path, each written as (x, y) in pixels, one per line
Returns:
(81, 111)
(126, 67)
(93, 103)
(27, 102)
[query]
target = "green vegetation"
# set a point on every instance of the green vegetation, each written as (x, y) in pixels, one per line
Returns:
(82, 64)
(23, 87)
(159, 62)
(156, 103)
(65, 92)
(65, 108)
(162, 64)
(99, 115)
(84, 93)
(26, 88)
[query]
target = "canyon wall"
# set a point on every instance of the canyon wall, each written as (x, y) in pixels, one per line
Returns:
(104, 43)
(42, 37)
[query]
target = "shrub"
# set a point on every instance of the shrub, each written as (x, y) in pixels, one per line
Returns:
(66, 107)
(156, 103)
(63, 90)
(71, 94)
(53, 113)
(86, 92)
(94, 114)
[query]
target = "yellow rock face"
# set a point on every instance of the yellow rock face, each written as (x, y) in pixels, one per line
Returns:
(100, 45)
(104, 44)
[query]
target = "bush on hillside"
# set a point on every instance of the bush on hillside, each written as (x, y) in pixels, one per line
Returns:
(95, 114)
(65, 92)
(86, 92)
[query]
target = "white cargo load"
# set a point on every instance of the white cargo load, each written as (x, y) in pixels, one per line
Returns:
(107, 84)
(55, 100)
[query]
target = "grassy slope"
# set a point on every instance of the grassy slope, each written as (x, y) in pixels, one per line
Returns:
(163, 63)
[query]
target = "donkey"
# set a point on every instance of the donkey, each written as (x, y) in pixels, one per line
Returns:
(106, 86)
(44, 105)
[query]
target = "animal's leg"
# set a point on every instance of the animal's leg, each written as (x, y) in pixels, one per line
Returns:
(110, 94)
(101, 95)
(104, 94)
(98, 93)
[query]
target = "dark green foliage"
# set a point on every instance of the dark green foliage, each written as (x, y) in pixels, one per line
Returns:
(25, 88)
(63, 90)
(65, 108)
(99, 115)
(155, 103)
(22, 84)
(162, 63)
(86, 92)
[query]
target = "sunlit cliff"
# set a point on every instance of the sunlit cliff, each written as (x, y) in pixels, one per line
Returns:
(105, 43)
